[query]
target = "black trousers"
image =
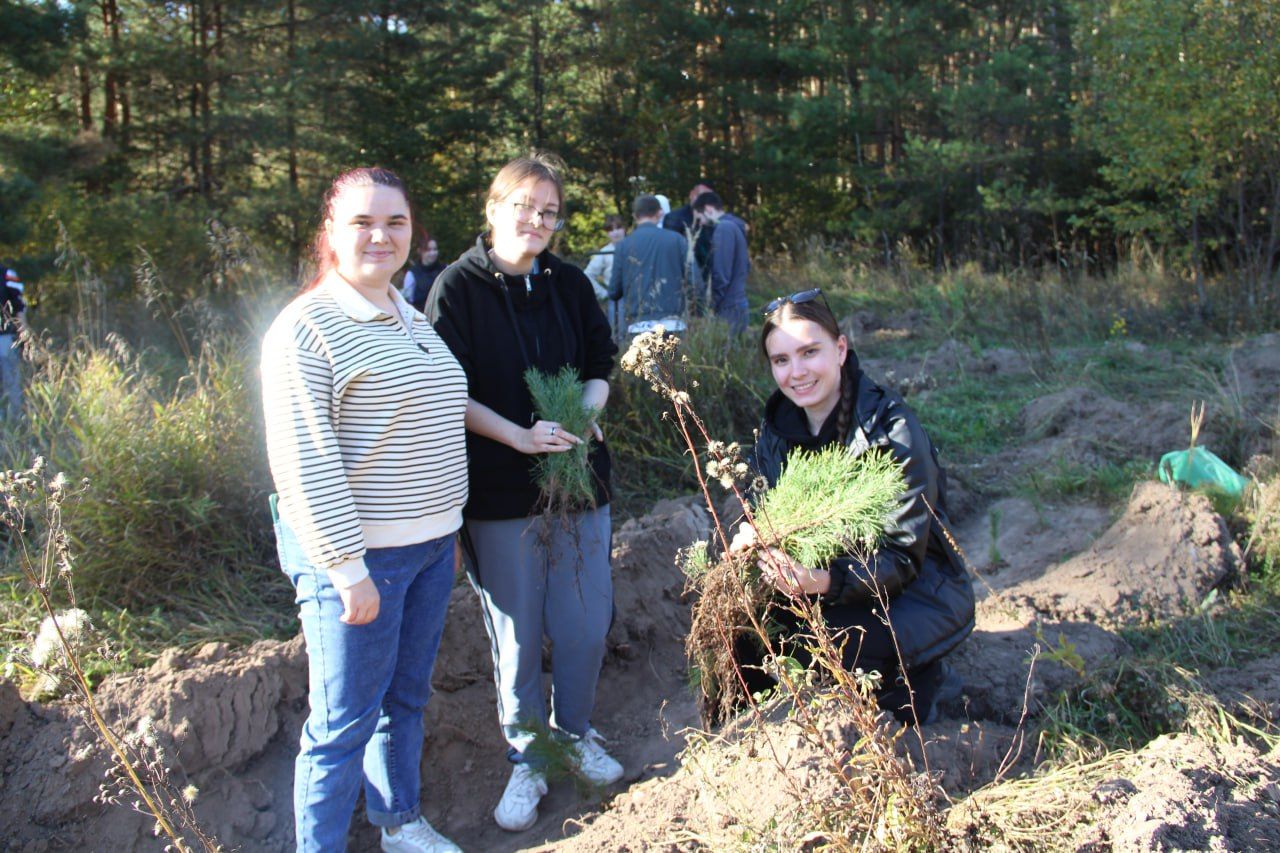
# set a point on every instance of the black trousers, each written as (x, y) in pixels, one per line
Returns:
(866, 643)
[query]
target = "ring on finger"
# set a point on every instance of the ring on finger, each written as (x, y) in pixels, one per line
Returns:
(551, 431)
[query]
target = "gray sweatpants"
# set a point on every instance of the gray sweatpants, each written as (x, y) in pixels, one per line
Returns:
(549, 576)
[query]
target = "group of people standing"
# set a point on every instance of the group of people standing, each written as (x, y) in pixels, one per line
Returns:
(398, 437)
(690, 260)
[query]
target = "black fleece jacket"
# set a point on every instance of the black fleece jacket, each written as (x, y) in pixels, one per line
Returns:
(931, 599)
(497, 326)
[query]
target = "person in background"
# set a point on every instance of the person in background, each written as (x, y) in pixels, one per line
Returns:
(369, 462)
(915, 580)
(420, 277)
(728, 264)
(12, 309)
(508, 305)
(649, 269)
(665, 204)
(600, 268)
(682, 221)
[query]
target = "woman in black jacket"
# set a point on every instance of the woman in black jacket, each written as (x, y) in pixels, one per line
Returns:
(506, 305)
(824, 397)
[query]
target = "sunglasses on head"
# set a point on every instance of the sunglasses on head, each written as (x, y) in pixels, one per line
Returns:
(796, 298)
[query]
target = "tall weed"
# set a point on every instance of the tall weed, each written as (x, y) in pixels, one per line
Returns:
(175, 513)
(728, 382)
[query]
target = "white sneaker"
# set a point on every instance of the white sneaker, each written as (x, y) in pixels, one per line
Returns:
(417, 837)
(518, 808)
(598, 766)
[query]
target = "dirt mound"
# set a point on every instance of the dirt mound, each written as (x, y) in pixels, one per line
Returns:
(1179, 792)
(916, 374)
(1015, 540)
(863, 326)
(213, 712)
(229, 722)
(1010, 664)
(1083, 425)
(1185, 793)
(1253, 372)
(1166, 553)
(755, 785)
(1249, 690)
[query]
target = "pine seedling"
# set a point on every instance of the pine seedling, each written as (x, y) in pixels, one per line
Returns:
(566, 479)
(828, 503)
(825, 504)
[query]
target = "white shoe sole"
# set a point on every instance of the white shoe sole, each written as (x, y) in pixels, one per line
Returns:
(521, 827)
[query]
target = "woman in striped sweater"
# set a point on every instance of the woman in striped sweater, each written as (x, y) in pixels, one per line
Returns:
(365, 410)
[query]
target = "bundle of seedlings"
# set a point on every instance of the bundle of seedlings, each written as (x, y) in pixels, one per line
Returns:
(566, 479)
(826, 504)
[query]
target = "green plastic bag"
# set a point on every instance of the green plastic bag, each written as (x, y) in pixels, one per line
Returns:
(1199, 467)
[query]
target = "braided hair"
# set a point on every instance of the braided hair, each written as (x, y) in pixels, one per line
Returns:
(817, 311)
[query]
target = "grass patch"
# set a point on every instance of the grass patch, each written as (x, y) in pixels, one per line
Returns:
(1158, 688)
(171, 535)
(970, 419)
(727, 380)
(1107, 482)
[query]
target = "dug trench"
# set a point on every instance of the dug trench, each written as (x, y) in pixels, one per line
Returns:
(1058, 577)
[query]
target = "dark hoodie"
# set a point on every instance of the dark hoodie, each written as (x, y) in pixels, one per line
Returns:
(497, 326)
(931, 605)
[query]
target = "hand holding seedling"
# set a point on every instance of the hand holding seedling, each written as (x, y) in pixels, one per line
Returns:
(744, 540)
(546, 437)
(789, 576)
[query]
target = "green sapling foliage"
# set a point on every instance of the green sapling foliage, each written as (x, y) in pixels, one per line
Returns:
(829, 502)
(566, 479)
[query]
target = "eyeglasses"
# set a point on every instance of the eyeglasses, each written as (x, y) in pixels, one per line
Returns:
(549, 219)
(795, 299)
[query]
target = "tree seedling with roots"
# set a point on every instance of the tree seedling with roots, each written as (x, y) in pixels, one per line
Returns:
(566, 479)
(825, 504)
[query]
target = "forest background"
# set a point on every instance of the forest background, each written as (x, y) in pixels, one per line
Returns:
(1070, 135)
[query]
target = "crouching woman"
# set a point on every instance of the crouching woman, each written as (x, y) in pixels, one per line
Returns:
(901, 610)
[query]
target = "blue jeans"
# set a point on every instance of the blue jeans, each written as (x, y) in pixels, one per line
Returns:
(369, 685)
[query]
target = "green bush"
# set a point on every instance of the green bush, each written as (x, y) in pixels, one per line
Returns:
(175, 512)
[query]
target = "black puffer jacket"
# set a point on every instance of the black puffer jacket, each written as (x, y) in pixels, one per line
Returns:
(497, 326)
(931, 597)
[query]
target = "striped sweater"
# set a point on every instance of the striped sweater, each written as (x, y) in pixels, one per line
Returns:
(365, 432)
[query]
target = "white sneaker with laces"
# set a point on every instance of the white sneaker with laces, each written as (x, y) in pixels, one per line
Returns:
(518, 808)
(598, 766)
(417, 837)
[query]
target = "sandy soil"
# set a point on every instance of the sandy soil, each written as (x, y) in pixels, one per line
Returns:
(1057, 575)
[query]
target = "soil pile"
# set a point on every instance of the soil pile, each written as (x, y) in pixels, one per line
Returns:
(1084, 426)
(1162, 558)
(1179, 792)
(229, 721)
